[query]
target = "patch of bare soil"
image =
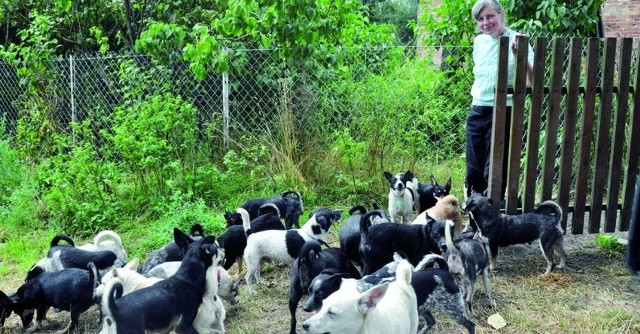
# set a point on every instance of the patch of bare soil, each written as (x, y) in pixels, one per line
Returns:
(594, 294)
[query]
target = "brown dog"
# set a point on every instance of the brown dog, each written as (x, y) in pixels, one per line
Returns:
(445, 209)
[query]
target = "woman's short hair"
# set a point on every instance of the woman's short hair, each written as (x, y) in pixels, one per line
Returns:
(481, 4)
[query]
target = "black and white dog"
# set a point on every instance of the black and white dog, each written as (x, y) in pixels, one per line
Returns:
(350, 231)
(289, 204)
(467, 258)
(172, 251)
(169, 305)
(311, 262)
(107, 240)
(64, 257)
(234, 239)
(379, 242)
(431, 192)
(403, 196)
(284, 246)
(70, 289)
(502, 230)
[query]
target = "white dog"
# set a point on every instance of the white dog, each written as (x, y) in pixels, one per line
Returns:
(403, 196)
(385, 308)
(283, 245)
(131, 280)
(211, 313)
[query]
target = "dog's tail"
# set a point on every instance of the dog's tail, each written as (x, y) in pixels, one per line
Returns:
(296, 195)
(358, 208)
(107, 234)
(365, 221)
(449, 226)
(246, 221)
(56, 240)
(553, 206)
(94, 278)
(429, 260)
(403, 272)
(268, 208)
(112, 291)
(309, 250)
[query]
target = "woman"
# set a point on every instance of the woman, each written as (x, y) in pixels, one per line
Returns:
(490, 19)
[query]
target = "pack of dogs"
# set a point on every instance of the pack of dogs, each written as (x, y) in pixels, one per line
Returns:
(391, 270)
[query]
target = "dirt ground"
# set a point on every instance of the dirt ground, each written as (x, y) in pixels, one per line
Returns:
(594, 294)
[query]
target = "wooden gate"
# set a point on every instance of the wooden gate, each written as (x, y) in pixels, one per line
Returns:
(586, 156)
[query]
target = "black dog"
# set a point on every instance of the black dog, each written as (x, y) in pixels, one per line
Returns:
(379, 242)
(6, 307)
(289, 204)
(70, 289)
(502, 230)
(430, 193)
(350, 232)
(172, 251)
(64, 257)
(171, 304)
(234, 240)
(311, 262)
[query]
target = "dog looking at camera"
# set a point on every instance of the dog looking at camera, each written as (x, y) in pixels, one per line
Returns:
(385, 308)
(403, 196)
(431, 192)
(501, 230)
(466, 259)
(284, 246)
(169, 305)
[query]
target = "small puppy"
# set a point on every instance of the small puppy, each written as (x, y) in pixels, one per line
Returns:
(70, 289)
(289, 204)
(430, 193)
(350, 231)
(6, 307)
(284, 246)
(172, 251)
(311, 262)
(211, 312)
(64, 257)
(169, 305)
(467, 258)
(403, 196)
(385, 308)
(101, 242)
(234, 239)
(228, 286)
(130, 279)
(502, 230)
(379, 242)
(446, 208)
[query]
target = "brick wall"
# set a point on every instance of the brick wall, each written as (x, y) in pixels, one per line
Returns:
(621, 18)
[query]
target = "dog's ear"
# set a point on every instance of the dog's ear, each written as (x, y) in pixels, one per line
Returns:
(337, 215)
(388, 176)
(448, 185)
(182, 240)
(133, 264)
(432, 181)
(370, 298)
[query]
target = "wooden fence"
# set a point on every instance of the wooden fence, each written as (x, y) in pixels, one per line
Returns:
(586, 156)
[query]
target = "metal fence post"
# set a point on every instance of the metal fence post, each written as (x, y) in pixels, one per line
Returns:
(72, 93)
(225, 107)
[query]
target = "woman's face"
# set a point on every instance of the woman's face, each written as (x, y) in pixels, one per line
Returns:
(491, 22)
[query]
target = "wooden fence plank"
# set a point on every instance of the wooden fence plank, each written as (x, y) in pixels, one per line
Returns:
(533, 132)
(602, 139)
(499, 126)
(569, 133)
(555, 96)
(517, 125)
(584, 156)
(633, 151)
(620, 119)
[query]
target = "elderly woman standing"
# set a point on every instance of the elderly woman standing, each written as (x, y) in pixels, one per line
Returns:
(490, 19)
